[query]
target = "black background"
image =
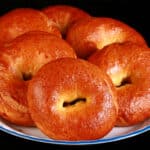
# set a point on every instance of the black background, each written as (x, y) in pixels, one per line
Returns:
(134, 13)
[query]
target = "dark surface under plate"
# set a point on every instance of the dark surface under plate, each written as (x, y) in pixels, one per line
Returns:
(7, 141)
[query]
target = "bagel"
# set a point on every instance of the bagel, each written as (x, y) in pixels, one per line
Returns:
(71, 99)
(21, 20)
(20, 59)
(128, 65)
(92, 34)
(64, 16)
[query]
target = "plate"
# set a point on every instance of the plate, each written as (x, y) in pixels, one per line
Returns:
(34, 134)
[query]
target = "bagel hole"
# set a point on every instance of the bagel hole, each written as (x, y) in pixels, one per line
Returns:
(26, 76)
(125, 81)
(73, 102)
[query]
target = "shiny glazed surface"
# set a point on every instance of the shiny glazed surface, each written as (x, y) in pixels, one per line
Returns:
(20, 59)
(92, 34)
(128, 66)
(71, 99)
(64, 15)
(21, 20)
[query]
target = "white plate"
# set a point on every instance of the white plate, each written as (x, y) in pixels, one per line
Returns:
(34, 134)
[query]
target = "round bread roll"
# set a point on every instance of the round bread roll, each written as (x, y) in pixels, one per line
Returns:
(64, 16)
(92, 34)
(71, 99)
(128, 65)
(21, 20)
(20, 59)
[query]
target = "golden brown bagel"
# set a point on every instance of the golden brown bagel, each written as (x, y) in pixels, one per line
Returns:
(20, 59)
(21, 20)
(128, 66)
(92, 34)
(64, 15)
(71, 99)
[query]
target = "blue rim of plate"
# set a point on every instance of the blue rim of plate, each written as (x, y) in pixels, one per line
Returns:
(87, 142)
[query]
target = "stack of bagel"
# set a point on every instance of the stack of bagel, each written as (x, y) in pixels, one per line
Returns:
(72, 75)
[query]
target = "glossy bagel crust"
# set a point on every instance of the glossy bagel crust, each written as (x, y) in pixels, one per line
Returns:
(20, 59)
(128, 66)
(21, 20)
(71, 99)
(64, 16)
(92, 34)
